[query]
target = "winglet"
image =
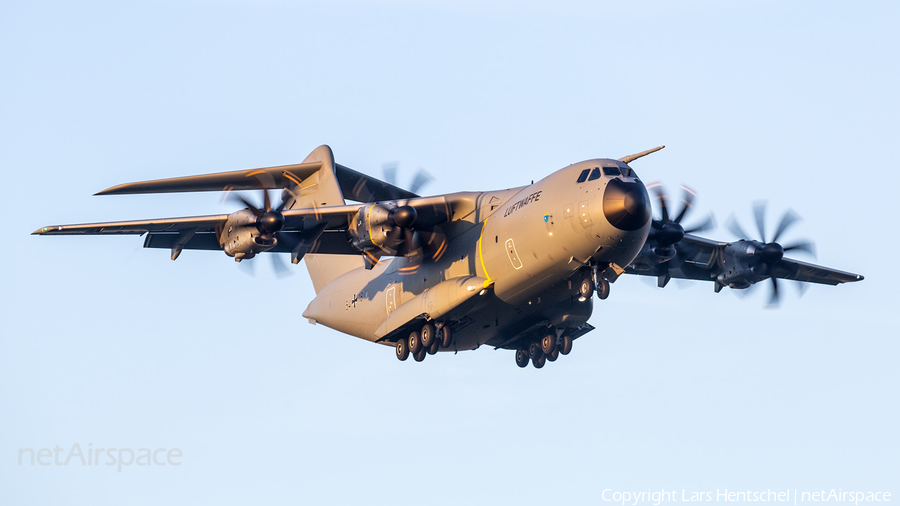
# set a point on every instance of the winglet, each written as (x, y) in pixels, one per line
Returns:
(631, 158)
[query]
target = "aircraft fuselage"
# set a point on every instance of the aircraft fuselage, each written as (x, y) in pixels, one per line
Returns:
(531, 246)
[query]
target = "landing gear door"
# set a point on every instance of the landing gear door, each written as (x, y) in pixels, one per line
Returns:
(513, 255)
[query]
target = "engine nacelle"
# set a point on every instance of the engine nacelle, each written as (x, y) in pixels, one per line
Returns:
(372, 225)
(741, 268)
(241, 238)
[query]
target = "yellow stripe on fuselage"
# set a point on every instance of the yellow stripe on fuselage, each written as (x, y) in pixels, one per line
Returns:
(487, 281)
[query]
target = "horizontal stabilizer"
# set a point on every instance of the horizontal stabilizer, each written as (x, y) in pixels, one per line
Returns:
(354, 185)
(269, 178)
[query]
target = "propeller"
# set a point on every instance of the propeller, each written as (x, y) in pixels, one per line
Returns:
(667, 232)
(421, 178)
(771, 251)
(410, 237)
(269, 221)
(402, 234)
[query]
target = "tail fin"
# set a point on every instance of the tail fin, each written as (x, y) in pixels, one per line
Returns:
(319, 190)
(322, 187)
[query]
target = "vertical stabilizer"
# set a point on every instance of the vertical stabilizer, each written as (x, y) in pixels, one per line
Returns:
(323, 190)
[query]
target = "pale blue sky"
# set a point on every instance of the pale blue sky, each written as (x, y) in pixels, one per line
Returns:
(110, 344)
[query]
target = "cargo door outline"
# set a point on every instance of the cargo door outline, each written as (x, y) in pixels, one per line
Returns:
(390, 298)
(512, 254)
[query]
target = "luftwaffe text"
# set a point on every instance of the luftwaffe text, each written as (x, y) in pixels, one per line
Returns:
(534, 197)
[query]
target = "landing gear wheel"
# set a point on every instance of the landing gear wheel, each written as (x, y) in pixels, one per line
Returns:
(419, 355)
(435, 346)
(445, 336)
(539, 361)
(415, 344)
(553, 355)
(603, 289)
(522, 358)
(585, 289)
(548, 344)
(566, 344)
(534, 349)
(402, 349)
(427, 333)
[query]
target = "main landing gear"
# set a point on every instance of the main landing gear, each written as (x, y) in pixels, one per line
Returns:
(427, 340)
(548, 349)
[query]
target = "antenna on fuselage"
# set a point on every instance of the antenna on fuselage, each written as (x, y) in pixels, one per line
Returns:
(631, 158)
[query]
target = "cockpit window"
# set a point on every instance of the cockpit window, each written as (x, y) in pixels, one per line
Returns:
(612, 171)
(595, 174)
(584, 174)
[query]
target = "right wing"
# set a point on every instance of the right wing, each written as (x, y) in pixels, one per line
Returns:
(202, 232)
(201, 224)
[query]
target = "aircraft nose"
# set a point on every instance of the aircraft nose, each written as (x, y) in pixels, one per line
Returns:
(626, 205)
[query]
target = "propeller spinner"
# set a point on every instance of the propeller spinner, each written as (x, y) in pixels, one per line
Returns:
(667, 232)
(269, 222)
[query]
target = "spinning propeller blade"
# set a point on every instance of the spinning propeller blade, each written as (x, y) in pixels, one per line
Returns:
(771, 252)
(666, 233)
(269, 221)
(420, 179)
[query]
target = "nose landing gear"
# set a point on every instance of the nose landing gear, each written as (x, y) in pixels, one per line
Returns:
(598, 282)
(585, 288)
(601, 279)
(602, 288)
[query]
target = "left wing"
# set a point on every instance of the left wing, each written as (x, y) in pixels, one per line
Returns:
(729, 264)
(810, 273)
(696, 258)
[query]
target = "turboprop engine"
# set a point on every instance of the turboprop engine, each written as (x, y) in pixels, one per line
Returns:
(252, 230)
(388, 230)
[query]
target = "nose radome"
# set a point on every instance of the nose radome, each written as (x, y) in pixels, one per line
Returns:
(626, 205)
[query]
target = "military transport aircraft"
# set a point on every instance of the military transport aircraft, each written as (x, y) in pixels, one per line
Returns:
(513, 269)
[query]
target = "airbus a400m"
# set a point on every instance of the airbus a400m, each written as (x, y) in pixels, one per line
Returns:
(513, 269)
